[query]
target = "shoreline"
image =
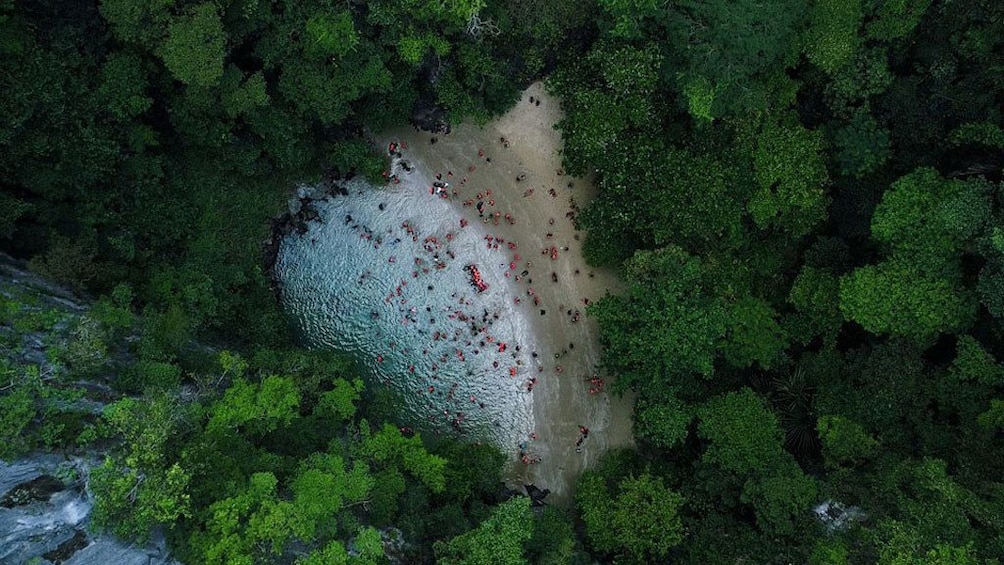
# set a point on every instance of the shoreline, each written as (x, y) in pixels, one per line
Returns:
(501, 162)
(505, 177)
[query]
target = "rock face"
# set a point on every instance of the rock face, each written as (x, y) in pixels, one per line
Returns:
(44, 513)
(45, 506)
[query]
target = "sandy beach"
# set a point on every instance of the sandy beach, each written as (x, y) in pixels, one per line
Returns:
(512, 166)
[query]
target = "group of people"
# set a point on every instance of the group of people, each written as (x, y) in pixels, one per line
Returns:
(468, 336)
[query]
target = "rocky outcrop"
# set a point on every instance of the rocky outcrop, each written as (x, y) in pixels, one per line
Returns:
(45, 510)
(45, 506)
(300, 212)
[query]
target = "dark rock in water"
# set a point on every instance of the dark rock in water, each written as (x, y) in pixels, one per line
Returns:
(301, 212)
(536, 495)
(38, 489)
(68, 548)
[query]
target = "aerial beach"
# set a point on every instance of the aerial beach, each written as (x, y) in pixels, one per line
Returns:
(514, 359)
(523, 144)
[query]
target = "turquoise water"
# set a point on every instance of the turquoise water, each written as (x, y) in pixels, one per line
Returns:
(381, 276)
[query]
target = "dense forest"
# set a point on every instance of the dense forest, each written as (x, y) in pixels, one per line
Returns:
(803, 197)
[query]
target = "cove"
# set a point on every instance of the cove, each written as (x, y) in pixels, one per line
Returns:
(381, 274)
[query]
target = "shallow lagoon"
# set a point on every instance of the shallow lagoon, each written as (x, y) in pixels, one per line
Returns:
(381, 275)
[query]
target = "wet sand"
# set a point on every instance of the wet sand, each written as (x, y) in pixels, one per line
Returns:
(524, 145)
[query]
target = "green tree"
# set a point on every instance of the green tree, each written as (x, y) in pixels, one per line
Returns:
(742, 433)
(639, 519)
(894, 298)
(142, 487)
(928, 220)
(895, 19)
(737, 50)
(389, 446)
(678, 328)
(331, 34)
(844, 441)
(195, 46)
(661, 420)
(259, 408)
(861, 146)
(142, 23)
(754, 335)
(781, 500)
(832, 38)
(790, 175)
(815, 294)
(498, 540)
(973, 363)
(124, 84)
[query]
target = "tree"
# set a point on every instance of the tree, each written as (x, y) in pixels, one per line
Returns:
(928, 220)
(861, 146)
(895, 19)
(498, 540)
(844, 441)
(258, 408)
(790, 175)
(832, 38)
(815, 294)
(781, 500)
(141, 23)
(331, 34)
(737, 50)
(742, 433)
(142, 487)
(638, 519)
(195, 46)
(894, 298)
(664, 325)
(123, 86)
(389, 446)
(973, 363)
(661, 420)
(754, 335)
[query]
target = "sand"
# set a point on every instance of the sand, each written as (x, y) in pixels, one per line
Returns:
(524, 144)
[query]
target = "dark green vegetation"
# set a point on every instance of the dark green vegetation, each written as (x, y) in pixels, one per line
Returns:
(804, 198)
(144, 147)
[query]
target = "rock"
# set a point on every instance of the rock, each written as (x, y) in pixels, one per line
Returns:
(45, 514)
(835, 516)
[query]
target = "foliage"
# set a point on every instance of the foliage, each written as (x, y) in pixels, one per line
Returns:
(194, 48)
(639, 518)
(844, 441)
(894, 298)
(790, 175)
(928, 220)
(742, 433)
(803, 200)
(141, 487)
(861, 146)
(682, 326)
(499, 539)
(832, 38)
